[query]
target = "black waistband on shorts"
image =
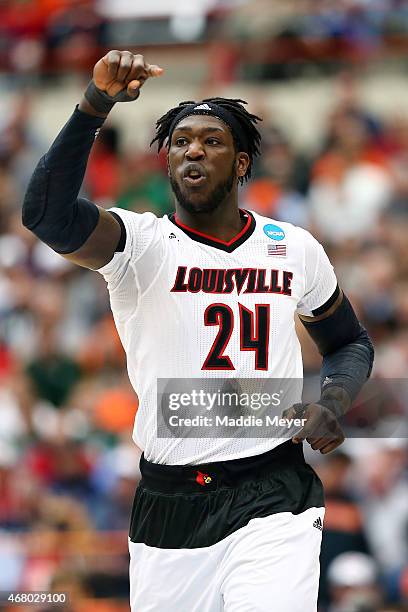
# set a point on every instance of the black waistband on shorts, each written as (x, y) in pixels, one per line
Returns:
(219, 474)
(179, 506)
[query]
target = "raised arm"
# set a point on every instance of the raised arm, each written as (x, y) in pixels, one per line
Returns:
(75, 227)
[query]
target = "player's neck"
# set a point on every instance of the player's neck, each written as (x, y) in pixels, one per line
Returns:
(223, 223)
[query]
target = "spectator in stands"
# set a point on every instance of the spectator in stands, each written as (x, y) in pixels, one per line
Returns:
(343, 522)
(353, 584)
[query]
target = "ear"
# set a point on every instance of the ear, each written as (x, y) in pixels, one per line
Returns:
(242, 163)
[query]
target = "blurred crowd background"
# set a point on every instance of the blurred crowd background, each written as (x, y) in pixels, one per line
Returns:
(330, 79)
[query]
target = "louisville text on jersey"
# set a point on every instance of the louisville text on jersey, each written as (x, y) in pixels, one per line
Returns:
(243, 280)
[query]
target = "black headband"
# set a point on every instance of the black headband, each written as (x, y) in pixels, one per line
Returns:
(214, 110)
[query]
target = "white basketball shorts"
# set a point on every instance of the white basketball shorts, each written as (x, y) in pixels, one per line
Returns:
(232, 536)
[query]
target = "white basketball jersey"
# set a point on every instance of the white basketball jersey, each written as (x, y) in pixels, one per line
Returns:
(187, 305)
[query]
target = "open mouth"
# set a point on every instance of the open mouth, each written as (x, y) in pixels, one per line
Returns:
(194, 175)
(194, 180)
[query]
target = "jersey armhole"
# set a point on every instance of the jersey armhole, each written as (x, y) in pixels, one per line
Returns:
(122, 240)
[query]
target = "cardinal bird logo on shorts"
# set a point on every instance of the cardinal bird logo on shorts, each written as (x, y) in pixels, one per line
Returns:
(203, 479)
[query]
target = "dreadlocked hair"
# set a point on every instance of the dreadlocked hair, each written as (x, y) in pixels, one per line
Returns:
(235, 106)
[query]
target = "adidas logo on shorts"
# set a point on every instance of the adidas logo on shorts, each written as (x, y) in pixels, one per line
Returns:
(318, 524)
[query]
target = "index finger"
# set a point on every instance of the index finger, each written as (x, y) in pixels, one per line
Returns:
(112, 60)
(153, 70)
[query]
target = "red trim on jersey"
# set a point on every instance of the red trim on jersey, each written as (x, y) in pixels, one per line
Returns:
(209, 237)
(228, 247)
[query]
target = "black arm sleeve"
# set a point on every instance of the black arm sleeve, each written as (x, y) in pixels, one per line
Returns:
(348, 367)
(348, 356)
(51, 208)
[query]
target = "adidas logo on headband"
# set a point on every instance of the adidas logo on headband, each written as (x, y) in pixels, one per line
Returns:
(202, 106)
(217, 111)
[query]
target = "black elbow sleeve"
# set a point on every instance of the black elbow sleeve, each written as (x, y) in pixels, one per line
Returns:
(335, 330)
(348, 353)
(36, 196)
(64, 226)
(52, 209)
(349, 367)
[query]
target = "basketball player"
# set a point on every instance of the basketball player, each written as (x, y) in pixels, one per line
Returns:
(221, 523)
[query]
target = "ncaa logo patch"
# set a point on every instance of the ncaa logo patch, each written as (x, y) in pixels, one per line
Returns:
(274, 232)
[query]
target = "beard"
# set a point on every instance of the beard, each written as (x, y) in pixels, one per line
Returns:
(213, 201)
